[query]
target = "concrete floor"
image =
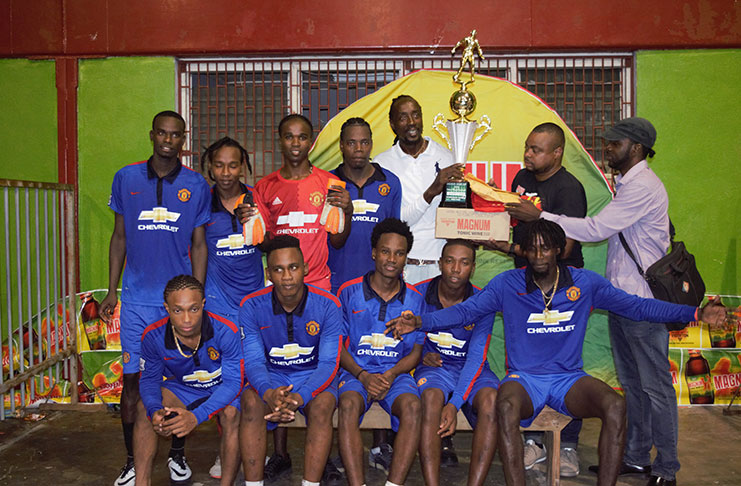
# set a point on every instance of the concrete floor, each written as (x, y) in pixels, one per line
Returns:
(77, 448)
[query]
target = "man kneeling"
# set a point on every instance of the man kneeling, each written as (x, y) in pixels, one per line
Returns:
(376, 367)
(200, 353)
(292, 344)
(545, 307)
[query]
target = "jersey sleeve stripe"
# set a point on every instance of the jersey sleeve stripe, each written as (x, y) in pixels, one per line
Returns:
(334, 371)
(478, 372)
(349, 283)
(155, 325)
(323, 293)
(140, 162)
(256, 294)
(228, 323)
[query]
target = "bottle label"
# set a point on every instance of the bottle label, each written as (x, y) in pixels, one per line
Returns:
(699, 386)
(455, 193)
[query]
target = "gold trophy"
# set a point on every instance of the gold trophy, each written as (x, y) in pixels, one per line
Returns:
(461, 130)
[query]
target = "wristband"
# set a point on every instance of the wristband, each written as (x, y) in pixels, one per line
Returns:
(357, 377)
(511, 251)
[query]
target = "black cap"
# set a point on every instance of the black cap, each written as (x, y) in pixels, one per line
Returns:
(637, 129)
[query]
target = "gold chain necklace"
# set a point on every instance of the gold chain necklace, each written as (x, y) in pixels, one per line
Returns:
(547, 300)
(177, 343)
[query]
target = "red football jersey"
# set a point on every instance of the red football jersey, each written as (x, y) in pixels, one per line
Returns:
(293, 207)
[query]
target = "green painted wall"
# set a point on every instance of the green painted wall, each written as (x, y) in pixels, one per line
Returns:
(28, 120)
(117, 99)
(692, 97)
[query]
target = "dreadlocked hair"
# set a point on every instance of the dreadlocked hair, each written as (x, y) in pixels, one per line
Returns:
(182, 282)
(551, 233)
(209, 153)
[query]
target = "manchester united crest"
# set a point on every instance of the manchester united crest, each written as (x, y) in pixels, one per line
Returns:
(184, 195)
(212, 353)
(573, 293)
(316, 199)
(384, 189)
(421, 381)
(312, 328)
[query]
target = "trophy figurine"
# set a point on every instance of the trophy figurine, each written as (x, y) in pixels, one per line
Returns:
(461, 130)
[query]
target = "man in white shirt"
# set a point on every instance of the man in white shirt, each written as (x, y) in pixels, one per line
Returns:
(424, 167)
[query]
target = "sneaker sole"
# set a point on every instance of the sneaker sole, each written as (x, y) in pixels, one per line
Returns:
(570, 474)
(537, 461)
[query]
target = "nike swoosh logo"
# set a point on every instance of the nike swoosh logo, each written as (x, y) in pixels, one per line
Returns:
(265, 327)
(134, 193)
(209, 224)
(358, 311)
(178, 473)
(167, 359)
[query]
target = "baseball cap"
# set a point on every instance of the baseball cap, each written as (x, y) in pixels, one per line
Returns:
(637, 129)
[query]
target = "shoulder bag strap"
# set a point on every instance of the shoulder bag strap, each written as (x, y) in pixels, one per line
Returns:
(630, 254)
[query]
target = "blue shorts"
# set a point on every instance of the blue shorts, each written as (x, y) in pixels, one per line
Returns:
(134, 319)
(445, 379)
(297, 378)
(193, 397)
(402, 384)
(550, 389)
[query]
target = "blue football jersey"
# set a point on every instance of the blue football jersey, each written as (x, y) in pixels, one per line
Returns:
(276, 341)
(378, 199)
(216, 366)
(160, 215)
(463, 349)
(542, 342)
(234, 268)
(365, 316)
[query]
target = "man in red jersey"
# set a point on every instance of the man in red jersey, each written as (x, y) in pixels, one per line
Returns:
(291, 199)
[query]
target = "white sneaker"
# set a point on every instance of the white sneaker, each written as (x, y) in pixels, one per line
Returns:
(215, 471)
(127, 476)
(569, 462)
(180, 472)
(533, 454)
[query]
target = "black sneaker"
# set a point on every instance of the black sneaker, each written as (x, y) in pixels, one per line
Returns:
(331, 475)
(277, 467)
(380, 457)
(448, 458)
(337, 462)
(180, 473)
(127, 476)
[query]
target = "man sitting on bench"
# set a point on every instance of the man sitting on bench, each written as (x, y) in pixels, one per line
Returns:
(545, 308)
(376, 367)
(292, 347)
(455, 373)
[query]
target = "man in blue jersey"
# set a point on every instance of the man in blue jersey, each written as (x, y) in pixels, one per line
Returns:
(455, 372)
(375, 193)
(161, 209)
(545, 308)
(234, 268)
(200, 354)
(292, 344)
(376, 367)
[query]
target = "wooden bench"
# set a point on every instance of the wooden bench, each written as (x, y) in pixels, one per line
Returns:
(548, 421)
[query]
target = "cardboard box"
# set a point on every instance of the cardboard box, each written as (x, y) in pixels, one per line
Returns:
(471, 225)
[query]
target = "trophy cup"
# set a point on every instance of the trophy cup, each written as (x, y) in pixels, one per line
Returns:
(461, 130)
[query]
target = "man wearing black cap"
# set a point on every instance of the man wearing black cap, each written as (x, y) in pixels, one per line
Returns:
(640, 349)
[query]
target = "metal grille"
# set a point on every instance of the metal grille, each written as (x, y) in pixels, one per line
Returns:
(37, 259)
(246, 98)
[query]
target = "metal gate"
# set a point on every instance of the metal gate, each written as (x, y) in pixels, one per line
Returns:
(37, 290)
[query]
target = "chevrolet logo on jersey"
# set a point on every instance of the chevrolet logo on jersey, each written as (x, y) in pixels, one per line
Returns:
(551, 320)
(290, 351)
(378, 340)
(159, 215)
(296, 219)
(232, 241)
(203, 378)
(361, 206)
(445, 340)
